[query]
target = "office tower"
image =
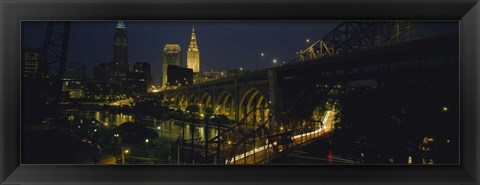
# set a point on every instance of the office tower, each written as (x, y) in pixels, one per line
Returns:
(172, 55)
(120, 54)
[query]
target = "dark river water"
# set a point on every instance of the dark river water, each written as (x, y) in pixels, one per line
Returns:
(170, 130)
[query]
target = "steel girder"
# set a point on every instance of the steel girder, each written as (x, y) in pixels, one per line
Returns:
(54, 53)
(351, 36)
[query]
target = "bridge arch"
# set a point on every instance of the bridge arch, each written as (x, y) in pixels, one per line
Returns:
(183, 103)
(225, 104)
(206, 101)
(192, 99)
(254, 105)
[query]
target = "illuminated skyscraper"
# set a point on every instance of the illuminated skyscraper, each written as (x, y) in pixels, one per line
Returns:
(120, 48)
(193, 55)
(172, 55)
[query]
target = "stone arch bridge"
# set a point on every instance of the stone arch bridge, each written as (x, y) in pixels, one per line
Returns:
(232, 97)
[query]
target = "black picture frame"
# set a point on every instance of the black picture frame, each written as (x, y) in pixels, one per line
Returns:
(13, 11)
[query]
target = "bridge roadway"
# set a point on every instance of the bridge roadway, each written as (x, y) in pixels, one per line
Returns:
(266, 152)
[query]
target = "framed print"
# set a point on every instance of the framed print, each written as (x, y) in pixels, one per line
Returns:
(241, 92)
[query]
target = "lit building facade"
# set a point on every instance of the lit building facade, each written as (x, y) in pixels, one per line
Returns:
(31, 61)
(172, 55)
(193, 54)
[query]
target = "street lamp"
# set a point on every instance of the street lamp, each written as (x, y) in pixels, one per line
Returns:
(146, 142)
(256, 60)
(124, 152)
(308, 40)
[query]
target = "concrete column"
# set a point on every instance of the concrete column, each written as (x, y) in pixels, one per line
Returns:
(237, 103)
(214, 97)
(188, 98)
(272, 90)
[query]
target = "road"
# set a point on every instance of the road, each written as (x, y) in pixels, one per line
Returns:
(263, 152)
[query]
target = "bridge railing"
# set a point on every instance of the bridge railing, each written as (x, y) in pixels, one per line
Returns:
(273, 136)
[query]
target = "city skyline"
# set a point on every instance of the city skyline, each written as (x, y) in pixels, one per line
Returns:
(91, 42)
(221, 42)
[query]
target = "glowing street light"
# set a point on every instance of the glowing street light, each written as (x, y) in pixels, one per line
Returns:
(124, 152)
(308, 40)
(445, 109)
(262, 54)
(274, 61)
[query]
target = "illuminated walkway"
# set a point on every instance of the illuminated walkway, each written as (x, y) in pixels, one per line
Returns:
(263, 153)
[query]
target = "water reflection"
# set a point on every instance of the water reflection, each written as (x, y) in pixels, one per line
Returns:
(102, 116)
(171, 130)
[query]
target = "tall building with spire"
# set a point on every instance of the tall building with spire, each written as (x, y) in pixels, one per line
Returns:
(193, 55)
(120, 48)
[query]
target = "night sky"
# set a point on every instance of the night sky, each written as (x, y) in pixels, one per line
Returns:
(223, 45)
